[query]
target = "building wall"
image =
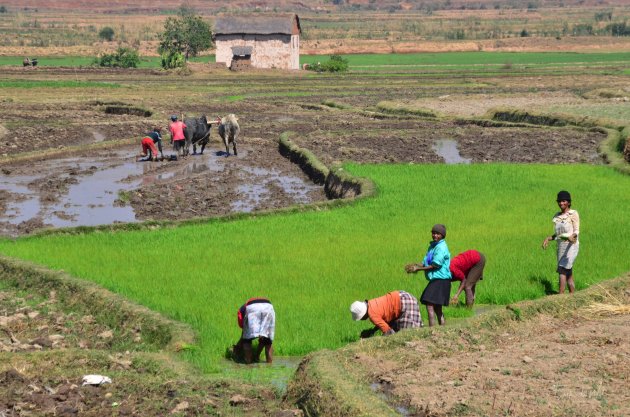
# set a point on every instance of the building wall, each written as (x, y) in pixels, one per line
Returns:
(269, 51)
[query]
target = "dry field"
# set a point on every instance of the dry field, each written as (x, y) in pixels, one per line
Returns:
(34, 29)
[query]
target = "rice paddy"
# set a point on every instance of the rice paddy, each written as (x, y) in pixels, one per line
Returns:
(312, 265)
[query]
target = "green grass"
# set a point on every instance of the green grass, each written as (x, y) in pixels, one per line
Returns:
(426, 61)
(480, 58)
(86, 61)
(619, 111)
(486, 63)
(312, 265)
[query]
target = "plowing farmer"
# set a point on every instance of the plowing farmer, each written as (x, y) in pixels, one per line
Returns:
(436, 267)
(567, 230)
(148, 145)
(390, 313)
(178, 139)
(467, 267)
(257, 318)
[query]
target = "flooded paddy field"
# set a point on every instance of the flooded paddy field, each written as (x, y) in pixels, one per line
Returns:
(68, 179)
(107, 187)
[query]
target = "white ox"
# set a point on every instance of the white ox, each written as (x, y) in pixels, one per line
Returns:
(229, 131)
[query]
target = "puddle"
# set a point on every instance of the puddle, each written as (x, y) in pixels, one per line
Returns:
(264, 179)
(382, 392)
(93, 185)
(277, 374)
(98, 136)
(447, 149)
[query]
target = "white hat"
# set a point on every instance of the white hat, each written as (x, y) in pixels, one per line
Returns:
(358, 310)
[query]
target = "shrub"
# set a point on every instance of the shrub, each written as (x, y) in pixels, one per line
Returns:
(603, 16)
(3, 9)
(106, 33)
(618, 29)
(336, 63)
(458, 34)
(172, 59)
(524, 33)
(122, 58)
(582, 29)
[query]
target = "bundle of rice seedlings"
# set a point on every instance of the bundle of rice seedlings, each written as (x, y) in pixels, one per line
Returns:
(602, 309)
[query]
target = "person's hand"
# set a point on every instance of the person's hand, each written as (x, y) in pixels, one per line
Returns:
(455, 300)
(572, 238)
(389, 332)
(410, 268)
(545, 242)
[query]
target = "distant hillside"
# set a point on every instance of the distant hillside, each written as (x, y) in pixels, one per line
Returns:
(205, 6)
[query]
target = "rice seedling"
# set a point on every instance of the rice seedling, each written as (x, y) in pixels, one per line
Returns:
(312, 265)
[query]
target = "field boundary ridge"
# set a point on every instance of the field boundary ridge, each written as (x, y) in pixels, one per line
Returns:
(338, 183)
(611, 149)
(329, 383)
(158, 331)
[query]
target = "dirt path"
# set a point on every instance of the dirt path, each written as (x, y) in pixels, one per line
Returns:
(45, 350)
(545, 367)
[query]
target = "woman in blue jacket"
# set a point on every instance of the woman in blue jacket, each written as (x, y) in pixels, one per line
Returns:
(436, 267)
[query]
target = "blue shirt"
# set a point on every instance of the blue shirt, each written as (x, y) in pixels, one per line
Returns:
(438, 256)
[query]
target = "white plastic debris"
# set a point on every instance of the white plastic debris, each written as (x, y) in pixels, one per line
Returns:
(96, 380)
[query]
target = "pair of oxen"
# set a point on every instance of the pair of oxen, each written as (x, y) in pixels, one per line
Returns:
(197, 132)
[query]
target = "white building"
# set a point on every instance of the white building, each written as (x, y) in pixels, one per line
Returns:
(258, 41)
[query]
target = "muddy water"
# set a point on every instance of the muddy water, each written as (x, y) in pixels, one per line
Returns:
(382, 391)
(98, 136)
(263, 180)
(276, 374)
(447, 149)
(92, 188)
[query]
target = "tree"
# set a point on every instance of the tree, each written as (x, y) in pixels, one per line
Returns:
(186, 34)
(106, 33)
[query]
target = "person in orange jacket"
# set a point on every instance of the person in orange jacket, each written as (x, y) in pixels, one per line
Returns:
(390, 313)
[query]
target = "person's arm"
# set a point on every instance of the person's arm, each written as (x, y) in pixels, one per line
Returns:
(377, 319)
(547, 240)
(575, 221)
(455, 298)
(417, 267)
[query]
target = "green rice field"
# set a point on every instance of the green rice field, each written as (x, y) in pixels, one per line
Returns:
(86, 61)
(313, 264)
(383, 62)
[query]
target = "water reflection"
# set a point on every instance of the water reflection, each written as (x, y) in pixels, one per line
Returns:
(447, 149)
